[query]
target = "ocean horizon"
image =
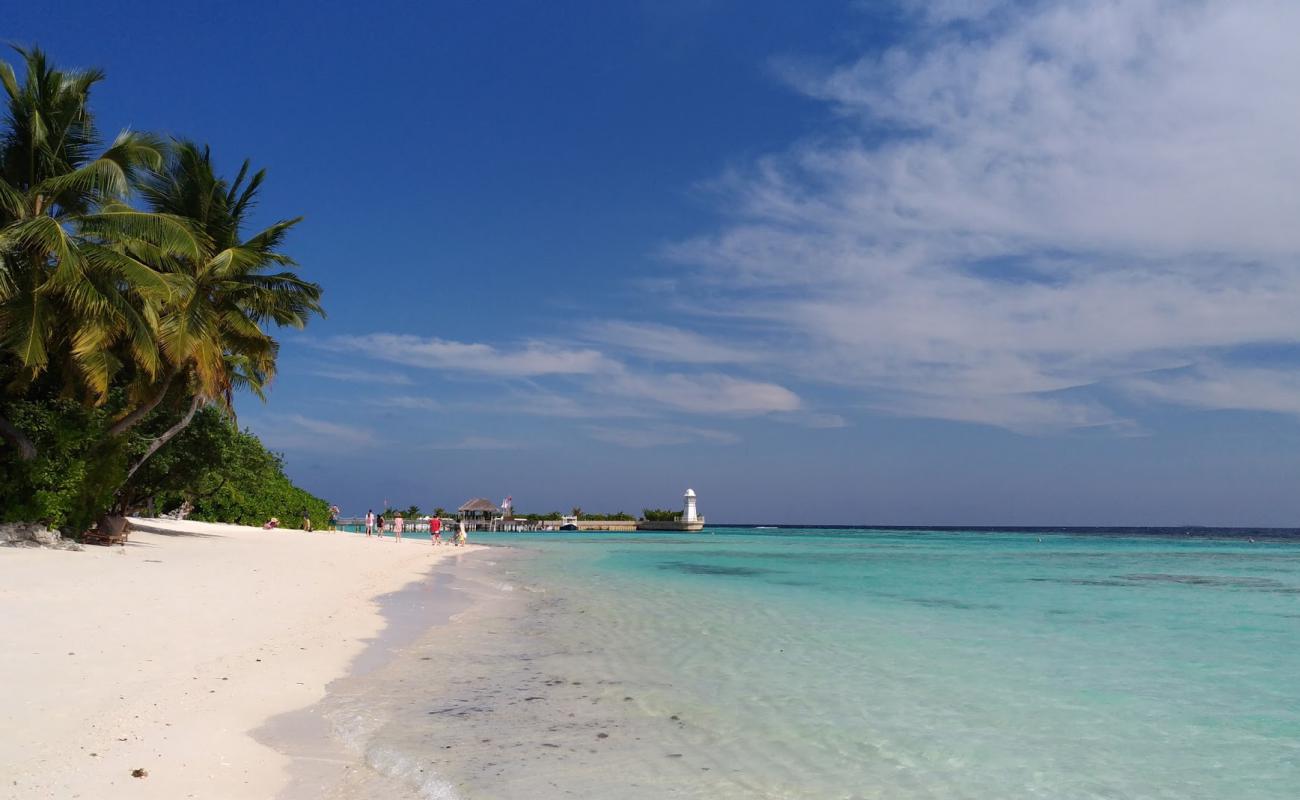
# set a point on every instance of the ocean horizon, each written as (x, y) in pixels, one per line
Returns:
(1119, 530)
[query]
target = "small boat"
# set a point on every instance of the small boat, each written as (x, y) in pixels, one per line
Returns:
(568, 526)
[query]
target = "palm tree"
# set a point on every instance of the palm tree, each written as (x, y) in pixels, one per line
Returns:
(74, 299)
(212, 332)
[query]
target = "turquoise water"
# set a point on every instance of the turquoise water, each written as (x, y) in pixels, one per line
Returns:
(875, 664)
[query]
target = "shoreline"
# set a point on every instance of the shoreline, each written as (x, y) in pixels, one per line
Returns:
(169, 653)
(321, 762)
(504, 702)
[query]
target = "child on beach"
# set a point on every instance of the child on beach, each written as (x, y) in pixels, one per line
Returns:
(461, 537)
(370, 522)
(398, 524)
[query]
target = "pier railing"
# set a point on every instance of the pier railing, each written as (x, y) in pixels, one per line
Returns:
(358, 525)
(499, 525)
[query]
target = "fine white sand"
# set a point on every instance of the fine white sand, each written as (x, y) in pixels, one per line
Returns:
(165, 654)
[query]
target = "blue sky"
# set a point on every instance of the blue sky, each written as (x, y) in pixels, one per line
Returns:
(951, 262)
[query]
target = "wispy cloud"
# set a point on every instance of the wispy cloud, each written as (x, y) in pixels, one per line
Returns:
(363, 376)
(1080, 193)
(479, 443)
(529, 359)
(295, 432)
(708, 393)
(812, 419)
(410, 402)
(537, 401)
(598, 375)
(1219, 386)
(668, 344)
(659, 435)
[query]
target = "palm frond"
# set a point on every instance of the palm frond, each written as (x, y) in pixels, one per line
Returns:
(9, 80)
(13, 203)
(136, 276)
(170, 234)
(45, 234)
(270, 238)
(24, 329)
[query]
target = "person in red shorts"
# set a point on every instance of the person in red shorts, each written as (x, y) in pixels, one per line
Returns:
(435, 530)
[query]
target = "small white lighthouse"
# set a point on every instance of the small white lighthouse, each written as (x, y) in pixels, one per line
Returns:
(688, 514)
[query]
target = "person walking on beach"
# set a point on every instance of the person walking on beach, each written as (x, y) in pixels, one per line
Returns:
(398, 524)
(370, 521)
(379, 526)
(334, 518)
(306, 521)
(435, 530)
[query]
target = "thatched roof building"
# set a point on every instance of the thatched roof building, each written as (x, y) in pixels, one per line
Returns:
(479, 514)
(478, 507)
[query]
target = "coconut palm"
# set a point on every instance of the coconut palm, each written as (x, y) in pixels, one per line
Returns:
(212, 332)
(74, 300)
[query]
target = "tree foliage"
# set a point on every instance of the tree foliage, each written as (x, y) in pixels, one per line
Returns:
(226, 475)
(133, 301)
(659, 515)
(73, 474)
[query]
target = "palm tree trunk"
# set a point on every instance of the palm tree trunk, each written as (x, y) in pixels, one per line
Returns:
(129, 421)
(167, 436)
(26, 450)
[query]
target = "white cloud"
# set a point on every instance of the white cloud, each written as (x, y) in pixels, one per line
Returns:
(541, 402)
(668, 344)
(1023, 413)
(532, 358)
(708, 393)
(659, 435)
(295, 432)
(1088, 192)
(409, 402)
(1218, 386)
(704, 393)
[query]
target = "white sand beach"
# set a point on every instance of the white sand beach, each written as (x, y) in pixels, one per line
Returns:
(164, 655)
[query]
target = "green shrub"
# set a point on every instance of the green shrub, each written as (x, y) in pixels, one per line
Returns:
(659, 515)
(228, 476)
(76, 470)
(78, 474)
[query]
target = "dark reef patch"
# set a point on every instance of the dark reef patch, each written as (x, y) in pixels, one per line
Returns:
(693, 568)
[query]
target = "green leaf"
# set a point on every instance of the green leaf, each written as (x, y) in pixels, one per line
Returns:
(12, 201)
(25, 329)
(170, 234)
(9, 80)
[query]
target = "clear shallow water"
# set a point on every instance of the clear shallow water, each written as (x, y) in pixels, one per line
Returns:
(862, 664)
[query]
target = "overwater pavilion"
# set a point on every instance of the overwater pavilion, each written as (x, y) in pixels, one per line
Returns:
(479, 514)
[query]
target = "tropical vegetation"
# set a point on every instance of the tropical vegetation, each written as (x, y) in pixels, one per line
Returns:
(134, 300)
(582, 515)
(660, 515)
